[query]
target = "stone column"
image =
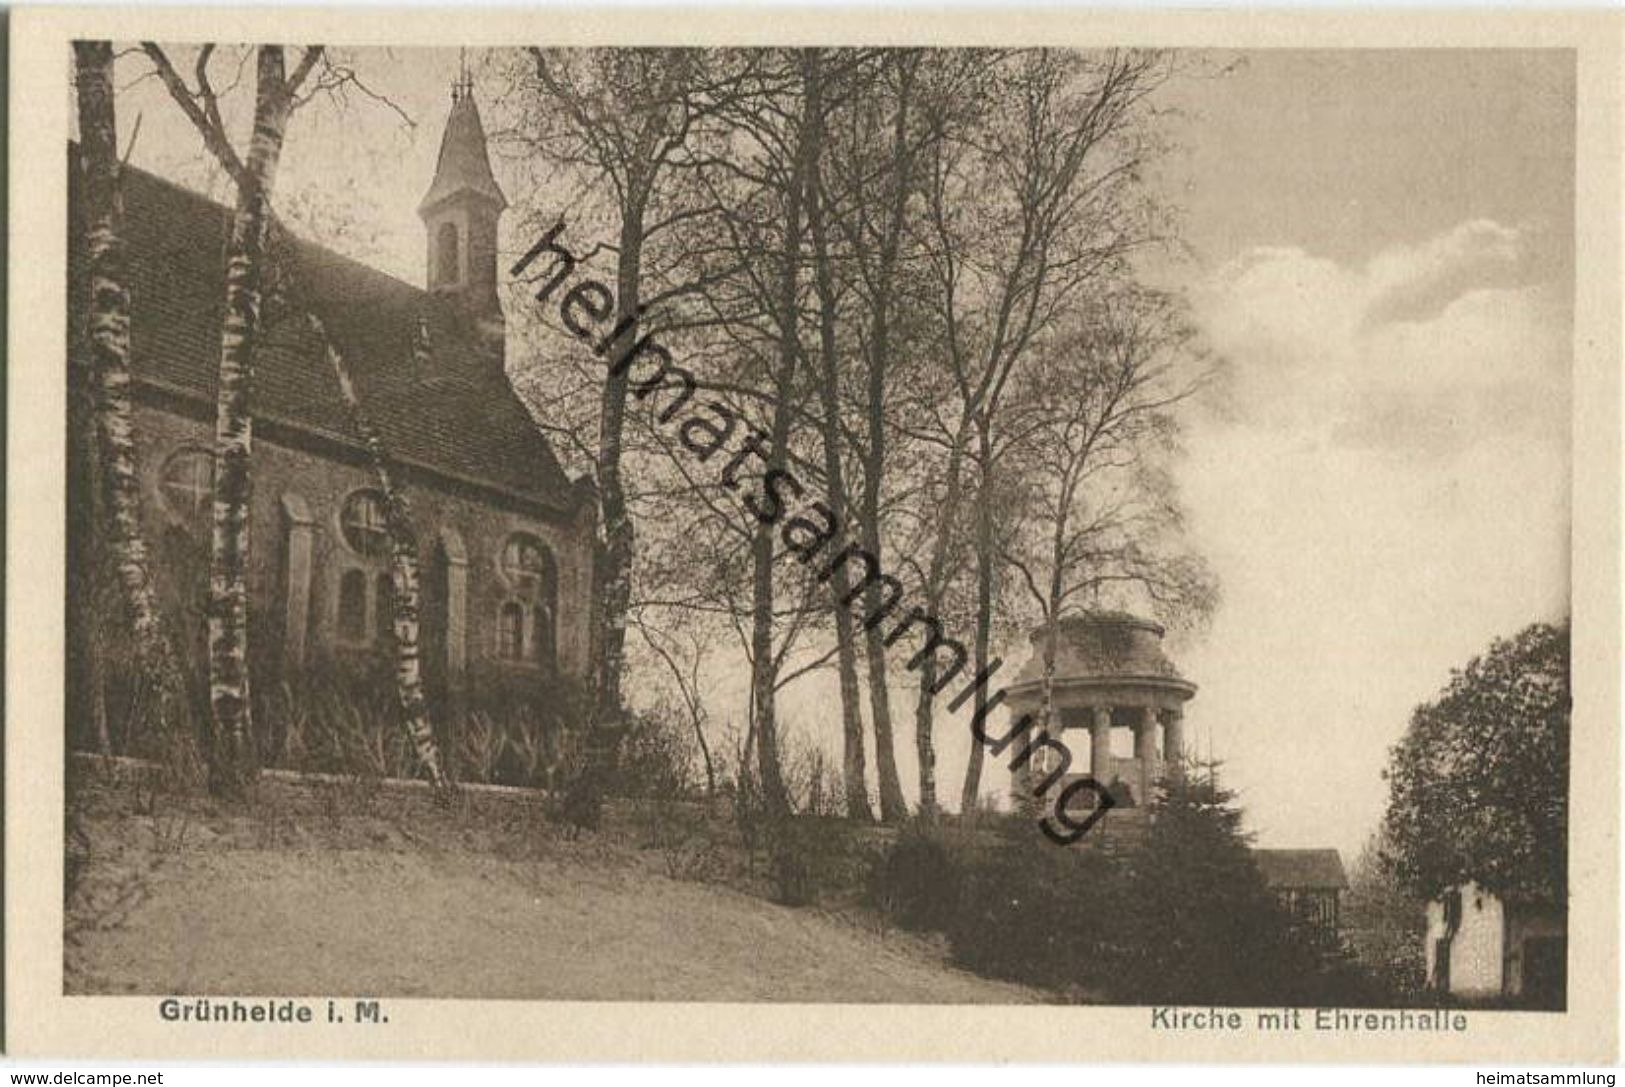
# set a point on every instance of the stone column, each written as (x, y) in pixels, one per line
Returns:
(301, 530)
(1021, 777)
(1145, 750)
(1173, 741)
(1100, 745)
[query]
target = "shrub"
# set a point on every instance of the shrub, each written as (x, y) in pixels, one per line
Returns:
(333, 720)
(812, 785)
(1186, 918)
(518, 732)
(1041, 915)
(581, 792)
(683, 833)
(653, 759)
(1385, 926)
(1337, 976)
(481, 741)
(530, 751)
(916, 883)
(117, 706)
(343, 717)
(811, 857)
(583, 805)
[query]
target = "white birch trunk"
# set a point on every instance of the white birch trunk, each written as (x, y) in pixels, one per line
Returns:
(403, 574)
(230, 544)
(107, 326)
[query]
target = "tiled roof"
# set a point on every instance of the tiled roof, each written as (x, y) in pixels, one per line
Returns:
(1301, 869)
(457, 416)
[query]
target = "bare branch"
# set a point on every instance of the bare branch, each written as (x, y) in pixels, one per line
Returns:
(213, 133)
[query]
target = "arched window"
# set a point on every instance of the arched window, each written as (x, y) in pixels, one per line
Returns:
(511, 632)
(353, 606)
(362, 522)
(187, 486)
(529, 568)
(541, 646)
(383, 610)
(446, 254)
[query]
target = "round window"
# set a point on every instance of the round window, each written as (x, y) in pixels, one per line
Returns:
(187, 486)
(526, 562)
(363, 524)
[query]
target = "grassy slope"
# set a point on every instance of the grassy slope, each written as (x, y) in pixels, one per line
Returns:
(305, 902)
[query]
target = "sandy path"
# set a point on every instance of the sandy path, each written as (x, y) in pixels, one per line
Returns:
(405, 923)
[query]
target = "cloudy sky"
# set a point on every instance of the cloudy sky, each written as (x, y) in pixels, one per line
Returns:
(1384, 251)
(1381, 250)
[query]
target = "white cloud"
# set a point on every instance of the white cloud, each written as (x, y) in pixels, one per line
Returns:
(1422, 348)
(1383, 488)
(1414, 282)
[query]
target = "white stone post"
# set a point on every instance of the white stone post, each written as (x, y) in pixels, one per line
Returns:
(1100, 745)
(1145, 750)
(1173, 741)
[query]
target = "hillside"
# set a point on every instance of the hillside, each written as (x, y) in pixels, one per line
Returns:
(341, 892)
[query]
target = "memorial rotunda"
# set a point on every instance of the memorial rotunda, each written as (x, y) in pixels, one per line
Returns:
(1111, 680)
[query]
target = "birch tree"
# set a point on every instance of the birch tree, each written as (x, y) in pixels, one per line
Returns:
(1030, 203)
(903, 103)
(1098, 510)
(632, 118)
(107, 332)
(789, 150)
(882, 119)
(854, 764)
(755, 305)
(406, 608)
(254, 175)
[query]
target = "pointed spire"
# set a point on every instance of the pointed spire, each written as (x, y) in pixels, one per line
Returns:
(463, 86)
(464, 165)
(461, 214)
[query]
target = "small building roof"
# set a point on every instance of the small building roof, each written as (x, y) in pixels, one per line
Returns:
(1301, 869)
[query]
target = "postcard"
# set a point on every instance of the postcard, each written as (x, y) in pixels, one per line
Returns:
(734, 535)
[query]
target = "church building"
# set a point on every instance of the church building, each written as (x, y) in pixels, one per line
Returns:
(506, 537)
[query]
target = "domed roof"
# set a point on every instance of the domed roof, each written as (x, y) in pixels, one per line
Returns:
(1105, 647)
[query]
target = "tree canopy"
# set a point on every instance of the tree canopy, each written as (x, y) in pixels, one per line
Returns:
(1478, 787)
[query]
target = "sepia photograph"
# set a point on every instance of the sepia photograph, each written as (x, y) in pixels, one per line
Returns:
(825, 524)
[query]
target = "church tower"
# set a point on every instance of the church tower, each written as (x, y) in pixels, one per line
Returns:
(460, 213)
